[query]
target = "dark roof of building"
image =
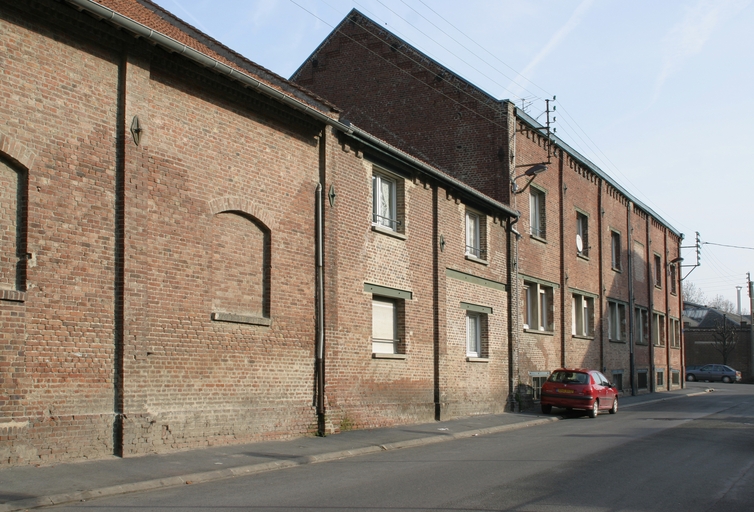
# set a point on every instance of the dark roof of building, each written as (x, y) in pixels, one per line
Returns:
(698, 316)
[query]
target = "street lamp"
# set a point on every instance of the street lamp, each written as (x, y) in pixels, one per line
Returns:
(531, 172)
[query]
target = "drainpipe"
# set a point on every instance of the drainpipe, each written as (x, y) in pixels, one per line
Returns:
(514, 313)
(563, 271)
(600, 249)
(651, 313)
(320, 292)
(630, 249)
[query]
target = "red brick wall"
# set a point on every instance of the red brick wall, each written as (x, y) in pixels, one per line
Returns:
(445, 120)
(434, 378)
(59, 111)
(125, 243)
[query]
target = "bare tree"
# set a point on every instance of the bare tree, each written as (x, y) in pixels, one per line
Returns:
(725, 338)
(723, 304)
(692, 293)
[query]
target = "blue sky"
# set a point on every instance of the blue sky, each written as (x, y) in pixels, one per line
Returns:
(657, 94)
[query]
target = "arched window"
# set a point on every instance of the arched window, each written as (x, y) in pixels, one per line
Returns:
(12, 226)
(240, 269)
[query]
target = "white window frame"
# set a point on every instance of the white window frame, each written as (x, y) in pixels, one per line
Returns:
(674, 328)
(658, 270)
(615, 247)
(582, 315)
(673, 279)
(582, 230)
(537, 213)
(641, 325)
(658, 329)
(473, 334)
(380, 344)
(379, 219)
(536, 386)
(475, 235)
(616, 321)
(538, 307)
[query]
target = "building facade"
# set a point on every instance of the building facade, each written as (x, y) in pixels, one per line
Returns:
(597, 279)
(197, 252)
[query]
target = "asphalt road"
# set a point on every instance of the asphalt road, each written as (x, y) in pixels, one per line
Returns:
(690, 454)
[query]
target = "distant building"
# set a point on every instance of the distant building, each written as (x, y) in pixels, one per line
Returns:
(703, 335)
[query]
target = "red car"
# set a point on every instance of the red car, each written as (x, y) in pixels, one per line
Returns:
(579, 389)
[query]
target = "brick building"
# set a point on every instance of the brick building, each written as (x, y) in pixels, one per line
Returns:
(706, 342)
(195, 251)
(596, 277)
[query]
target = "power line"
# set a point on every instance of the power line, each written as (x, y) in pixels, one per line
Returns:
(731, 246)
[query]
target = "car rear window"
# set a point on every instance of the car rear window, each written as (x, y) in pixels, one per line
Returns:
(569, 377)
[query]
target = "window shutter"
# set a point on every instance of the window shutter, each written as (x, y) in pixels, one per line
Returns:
(472, 334)
(383, 326)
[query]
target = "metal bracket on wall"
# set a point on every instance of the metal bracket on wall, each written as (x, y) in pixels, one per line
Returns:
(136, 130)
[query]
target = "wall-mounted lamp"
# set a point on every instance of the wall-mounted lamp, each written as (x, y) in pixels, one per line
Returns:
(676, 260)
(531, 172)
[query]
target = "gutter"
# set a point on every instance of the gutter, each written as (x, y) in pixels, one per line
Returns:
(170, 44)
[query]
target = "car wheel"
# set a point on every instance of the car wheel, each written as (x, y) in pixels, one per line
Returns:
(546, 409)
(727, 379)
(690, 377)
(614, 408)
(595, 409)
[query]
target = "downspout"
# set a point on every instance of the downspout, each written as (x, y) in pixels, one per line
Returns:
(514, 314)
(630, 250)
(651, 314)
(600, 249)
(563, 273)
(665, 272)
(320, 293)
(679, 283)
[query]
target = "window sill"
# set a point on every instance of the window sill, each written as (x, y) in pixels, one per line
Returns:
(388, 232)
(537, 331)
(13, 295)
(618, 341)
(579, 337)
(616, 269)
(660, 345)
(241, 319)
(473, 359)
(582, 256)
(658, 287)
(537, 238)
(385, 355)
(473, 258)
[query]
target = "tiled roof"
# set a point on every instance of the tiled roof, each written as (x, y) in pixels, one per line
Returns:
(160, 20)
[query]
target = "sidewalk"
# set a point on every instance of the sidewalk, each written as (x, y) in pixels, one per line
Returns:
(28, 487)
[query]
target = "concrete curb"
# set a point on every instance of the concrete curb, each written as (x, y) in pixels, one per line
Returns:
(222, 474)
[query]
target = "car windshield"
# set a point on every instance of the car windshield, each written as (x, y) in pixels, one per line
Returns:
(569, 377)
